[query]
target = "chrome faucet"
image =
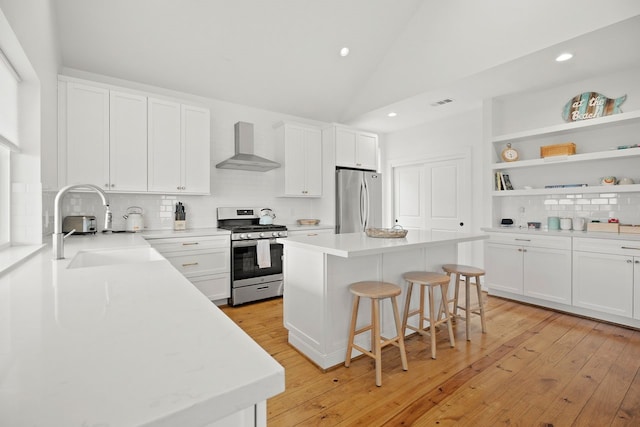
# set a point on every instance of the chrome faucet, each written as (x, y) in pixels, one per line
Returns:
(58, 236)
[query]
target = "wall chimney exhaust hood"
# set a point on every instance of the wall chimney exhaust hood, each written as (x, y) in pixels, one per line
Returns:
(244, 158)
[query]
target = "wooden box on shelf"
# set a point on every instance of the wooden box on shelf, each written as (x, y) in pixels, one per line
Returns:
(611, 227)
(566, 149)
(627, 228)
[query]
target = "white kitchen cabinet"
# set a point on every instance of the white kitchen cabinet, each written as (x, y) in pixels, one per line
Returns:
(605, 276)
(179, 147)
(127, 142)
(533, 266)
(299, 150)
(84, 135)
(204, 260)
(195, 149)
(354, 148)
(310, 232)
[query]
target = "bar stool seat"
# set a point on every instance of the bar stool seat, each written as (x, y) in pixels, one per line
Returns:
(376, 291)
(466, 272)
(430, 280)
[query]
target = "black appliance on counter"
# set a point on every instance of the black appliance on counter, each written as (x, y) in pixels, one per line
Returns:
(256, 257)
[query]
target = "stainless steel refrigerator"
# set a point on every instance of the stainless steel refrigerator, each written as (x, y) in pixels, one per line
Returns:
(358, 200)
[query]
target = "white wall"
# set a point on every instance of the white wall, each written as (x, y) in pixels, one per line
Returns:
(442, 137)
(228, 187)
(33, 23)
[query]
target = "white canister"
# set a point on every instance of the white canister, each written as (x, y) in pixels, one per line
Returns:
(565, 223)
(579, 223)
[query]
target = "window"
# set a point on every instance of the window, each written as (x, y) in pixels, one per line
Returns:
(9, 81)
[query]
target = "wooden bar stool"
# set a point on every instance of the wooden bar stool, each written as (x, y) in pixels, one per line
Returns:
(466, 272)
(430, 280)
(376, 291)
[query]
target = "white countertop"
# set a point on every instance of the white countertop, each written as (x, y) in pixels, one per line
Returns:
(359, 244)
(564, 233)
(121, 345)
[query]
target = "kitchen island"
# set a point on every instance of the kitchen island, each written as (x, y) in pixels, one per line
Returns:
(319, 269)
(115, 335)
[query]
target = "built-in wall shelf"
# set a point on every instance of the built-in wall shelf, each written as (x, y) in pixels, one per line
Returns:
(608, 189)
(598, 155)
(600, 122)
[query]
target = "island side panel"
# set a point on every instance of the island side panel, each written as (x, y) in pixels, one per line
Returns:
(304, 300)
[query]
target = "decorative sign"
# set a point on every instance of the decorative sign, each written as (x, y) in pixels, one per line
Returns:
(589, 105)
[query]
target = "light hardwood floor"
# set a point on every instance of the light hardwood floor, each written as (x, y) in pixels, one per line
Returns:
(534, 367)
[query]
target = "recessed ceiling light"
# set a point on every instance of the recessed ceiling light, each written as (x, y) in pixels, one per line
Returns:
(564, 57)
(392, 114)
(344, 51)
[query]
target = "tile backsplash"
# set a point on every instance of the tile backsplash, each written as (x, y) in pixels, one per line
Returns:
(599, 206)
(158, 209)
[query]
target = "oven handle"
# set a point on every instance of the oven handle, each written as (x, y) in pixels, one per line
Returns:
(245, 243)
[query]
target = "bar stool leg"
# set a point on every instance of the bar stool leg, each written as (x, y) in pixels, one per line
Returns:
(407, 303)
(399, 329)
(456, 294)
(467, 305)
(352, 330)
(481, 305)
(375, 345)
(432, 321)
(444, 289)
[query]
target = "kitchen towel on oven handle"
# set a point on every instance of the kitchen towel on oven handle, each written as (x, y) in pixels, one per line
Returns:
(263, 253)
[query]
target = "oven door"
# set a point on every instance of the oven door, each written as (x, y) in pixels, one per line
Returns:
(244, 258)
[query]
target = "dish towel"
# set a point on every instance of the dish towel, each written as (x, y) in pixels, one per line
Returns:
(263, 252)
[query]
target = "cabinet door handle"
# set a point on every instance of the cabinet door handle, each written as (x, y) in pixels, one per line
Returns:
(637, 262)
(520, 250)
(189, 243)
(629, 261)
(189, 264)
(523, 240)
(630, 247)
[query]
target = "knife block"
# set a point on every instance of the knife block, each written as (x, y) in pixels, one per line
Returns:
(179, 225)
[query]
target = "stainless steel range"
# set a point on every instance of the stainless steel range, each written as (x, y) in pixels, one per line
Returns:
(256, 257)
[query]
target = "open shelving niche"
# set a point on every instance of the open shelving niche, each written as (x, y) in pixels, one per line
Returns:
(600, 138)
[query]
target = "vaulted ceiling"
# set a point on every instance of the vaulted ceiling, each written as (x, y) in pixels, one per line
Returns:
(283, 55)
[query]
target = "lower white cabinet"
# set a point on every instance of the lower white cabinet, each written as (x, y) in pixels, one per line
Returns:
(534, 266)
(204, 260)
(310, 232)
(606, 276)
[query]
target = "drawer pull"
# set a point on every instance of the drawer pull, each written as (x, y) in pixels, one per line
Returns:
(189, 264)
(630, 247)
(523, 240)
(189, 244)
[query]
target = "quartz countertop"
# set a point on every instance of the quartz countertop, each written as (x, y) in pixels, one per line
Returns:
(564, 233)
(121, 345)
(359, 244)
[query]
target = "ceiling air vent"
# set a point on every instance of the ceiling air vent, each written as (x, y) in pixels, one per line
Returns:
(441, 102)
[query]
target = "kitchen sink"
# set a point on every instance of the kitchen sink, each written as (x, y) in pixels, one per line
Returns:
(114, 257)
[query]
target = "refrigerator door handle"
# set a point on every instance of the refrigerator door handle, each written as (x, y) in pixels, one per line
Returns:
(366, 205)
(361, 206)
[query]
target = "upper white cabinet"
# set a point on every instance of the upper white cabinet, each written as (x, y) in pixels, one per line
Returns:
(195, 149)
(179, 158)
(84, 129)
(299, 150)
(354, 148)
(126, 141)
(164, 154)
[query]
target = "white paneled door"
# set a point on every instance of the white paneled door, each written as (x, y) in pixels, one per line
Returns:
(433, 193)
